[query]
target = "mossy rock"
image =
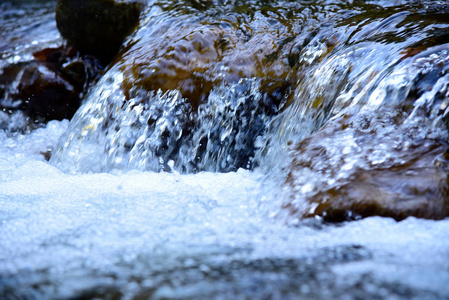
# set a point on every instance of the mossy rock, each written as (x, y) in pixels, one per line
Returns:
(97, 27)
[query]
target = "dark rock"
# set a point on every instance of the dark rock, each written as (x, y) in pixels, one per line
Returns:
(50, 87)
(97, 27)
(46, 93)
(416, 188)
(7, 76)
(76, 71)
(56, 56)
(4, 120)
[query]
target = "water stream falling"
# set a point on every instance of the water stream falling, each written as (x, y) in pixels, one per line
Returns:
(203, 163)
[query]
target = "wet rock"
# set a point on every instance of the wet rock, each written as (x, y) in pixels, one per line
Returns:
(56, 56)
(45, 92)
(411, 178)
(176, 91)
(7, 76)
(49, 87)
(194, 89)
(195, 46)
(359, 147)
(97, 27)
(230, 66)
(80, 71)
(197, 58)
(76, 71)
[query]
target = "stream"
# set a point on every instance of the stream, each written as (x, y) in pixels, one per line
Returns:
(235, 150)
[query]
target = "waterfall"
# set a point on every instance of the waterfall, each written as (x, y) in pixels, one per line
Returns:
(315, 105)
(232, 150)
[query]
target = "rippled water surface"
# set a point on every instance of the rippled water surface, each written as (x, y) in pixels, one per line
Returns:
(203, 163)
(26, 26)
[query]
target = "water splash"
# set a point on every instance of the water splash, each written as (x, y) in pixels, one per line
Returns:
(369, 93)
(378, 121)
(159, 131)
(369, 99)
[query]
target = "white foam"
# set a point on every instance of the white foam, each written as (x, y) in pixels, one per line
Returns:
(63, 228)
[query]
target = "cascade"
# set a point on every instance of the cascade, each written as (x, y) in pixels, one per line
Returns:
(229, 150)
(315, 96)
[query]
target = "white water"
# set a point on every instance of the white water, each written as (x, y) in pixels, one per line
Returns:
(192, 236)
(209, 235)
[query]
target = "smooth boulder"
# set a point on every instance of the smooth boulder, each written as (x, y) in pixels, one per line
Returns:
(97, 27)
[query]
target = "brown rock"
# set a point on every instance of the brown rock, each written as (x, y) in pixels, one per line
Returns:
(408, 181)
(193, 54)
(46, 93)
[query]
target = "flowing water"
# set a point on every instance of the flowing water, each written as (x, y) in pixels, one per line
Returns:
(187, 170)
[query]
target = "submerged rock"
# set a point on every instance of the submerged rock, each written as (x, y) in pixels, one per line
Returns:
(97, 27)
(196, 87)
(409, 180)
(387, 156)
(209, 47)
